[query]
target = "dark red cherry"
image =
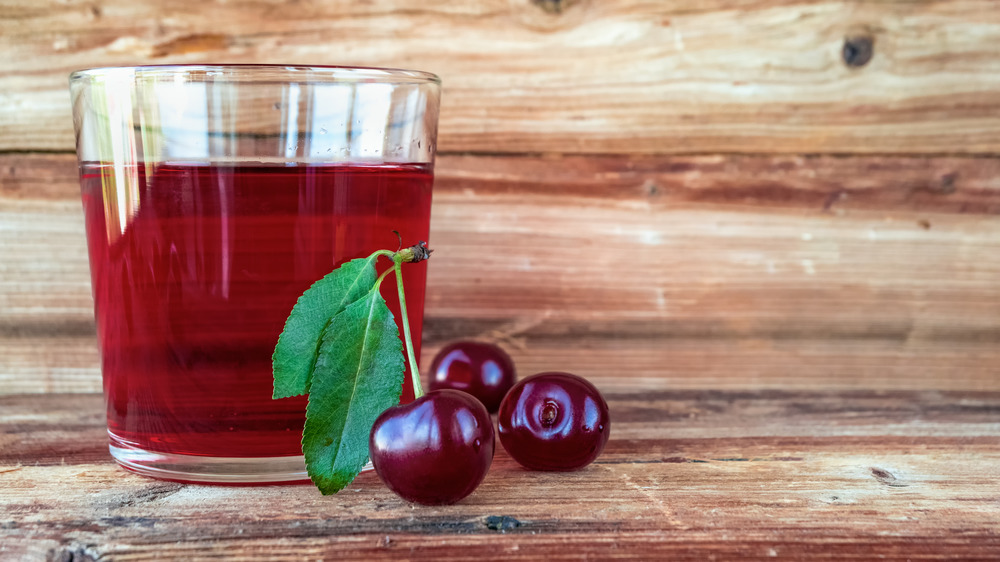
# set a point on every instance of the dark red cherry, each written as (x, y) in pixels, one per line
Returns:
(554, 421)
(434, 450)
(481, 369)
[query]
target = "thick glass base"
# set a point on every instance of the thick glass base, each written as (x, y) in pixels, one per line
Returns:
(233, 471)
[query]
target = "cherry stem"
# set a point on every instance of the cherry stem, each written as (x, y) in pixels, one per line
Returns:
(387, 253)
(418, 390)
(378, 282)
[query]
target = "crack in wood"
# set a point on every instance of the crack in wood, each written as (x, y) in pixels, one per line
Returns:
(115, 500)
(501, 523)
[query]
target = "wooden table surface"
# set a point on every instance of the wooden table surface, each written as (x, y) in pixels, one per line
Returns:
(686, 475)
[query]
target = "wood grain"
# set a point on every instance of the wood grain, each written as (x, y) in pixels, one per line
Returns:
(666, 272)
(617, 76)
(686, 475)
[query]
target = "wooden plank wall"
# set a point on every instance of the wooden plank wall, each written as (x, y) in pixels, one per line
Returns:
(721, 194)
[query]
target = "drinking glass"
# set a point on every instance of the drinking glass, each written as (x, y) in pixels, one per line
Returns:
(214, 196)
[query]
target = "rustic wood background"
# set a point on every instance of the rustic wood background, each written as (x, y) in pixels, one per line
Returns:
(721, 194)
(768, 230)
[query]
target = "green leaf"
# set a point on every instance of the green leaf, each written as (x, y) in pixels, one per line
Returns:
(358, 375)
(298, 345)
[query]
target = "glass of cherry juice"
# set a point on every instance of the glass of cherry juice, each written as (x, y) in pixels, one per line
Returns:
(214, 196)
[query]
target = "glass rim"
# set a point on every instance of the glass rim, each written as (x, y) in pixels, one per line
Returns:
(317, 73)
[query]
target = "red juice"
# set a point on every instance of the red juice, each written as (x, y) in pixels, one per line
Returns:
(192, 290)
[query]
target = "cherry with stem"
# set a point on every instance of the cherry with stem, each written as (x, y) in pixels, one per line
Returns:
(438, 448)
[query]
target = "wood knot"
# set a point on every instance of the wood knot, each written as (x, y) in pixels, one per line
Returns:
(195, 43)
(948, 183)
(73, 553)
(886, 477)
(553, 6)
(858, 50)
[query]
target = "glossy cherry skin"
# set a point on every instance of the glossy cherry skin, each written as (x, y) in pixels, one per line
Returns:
(554, 421)
(435, 450)
(481, 369)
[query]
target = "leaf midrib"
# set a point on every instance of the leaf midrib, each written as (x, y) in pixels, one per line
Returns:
(319, 342)
(357, 374)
